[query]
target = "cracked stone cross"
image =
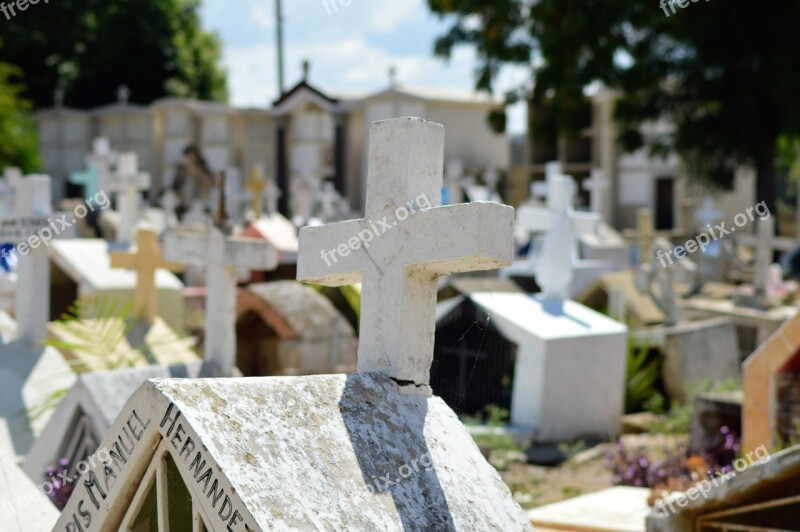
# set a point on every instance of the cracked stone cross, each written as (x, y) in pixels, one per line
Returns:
(398, 268)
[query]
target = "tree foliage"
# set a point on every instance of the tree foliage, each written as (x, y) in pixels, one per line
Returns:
(727, 74)
(156, 48)
(19, 147)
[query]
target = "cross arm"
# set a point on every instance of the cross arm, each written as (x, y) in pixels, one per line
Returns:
(534, 219)
(467, 237)
(585, 222)
(186, 247)
(250, 253)
(328, 254)
(122, 259)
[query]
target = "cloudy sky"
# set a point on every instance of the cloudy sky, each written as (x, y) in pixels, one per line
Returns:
(350, 50)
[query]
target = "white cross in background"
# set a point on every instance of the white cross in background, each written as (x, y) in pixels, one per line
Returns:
(453, 181)
(491, 178)
(397, 254)
(597, 186)
(708, 215)
(538, 189)
(31, 214)
(304, 193)
(127, 182)
(103, 159)
(658, 281)
(11, 175)
(235, 195)
(220, 256)
(561, 225)
(328, 202)
(272, 194)
(170, 202)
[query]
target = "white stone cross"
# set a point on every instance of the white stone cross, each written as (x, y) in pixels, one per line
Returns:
(30, 222)
(170, 202)
(11, 174)
(491, 178)
(708, 214)
(221, 256)
(553, 169)
(196, 216)
(328, 202)
(304, 192)
(127, 182)
(658, 281)
(272, 194)
(597, 186)
(453, 181)
(561, 225)
(398, 250)
(103, 159)
(236, 196)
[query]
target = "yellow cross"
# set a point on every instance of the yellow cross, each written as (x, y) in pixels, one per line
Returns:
(256, 186)
(146, 260)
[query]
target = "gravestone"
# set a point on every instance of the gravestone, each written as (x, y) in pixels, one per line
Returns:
(221, 256)
(145, 261)
(127, 183)
(307, 452)
(597, 185)
(103, 159)
(399, 277)
(30, 222)
(658, 280)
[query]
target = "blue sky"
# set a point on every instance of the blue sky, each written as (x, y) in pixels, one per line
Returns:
(350, 50)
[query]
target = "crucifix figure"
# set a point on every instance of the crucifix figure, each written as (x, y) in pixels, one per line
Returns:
(561, 225)
(256, 186)
(398, 266)
(146, 260)
(221, 256)
(27, 227)
(127, 182)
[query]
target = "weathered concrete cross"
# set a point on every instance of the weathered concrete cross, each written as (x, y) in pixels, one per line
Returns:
(399, 264)
(220, 256)
(147, 259)
(127, 182)
(31, 214)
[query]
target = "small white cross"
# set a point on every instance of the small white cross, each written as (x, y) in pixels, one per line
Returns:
(597, 186)
(127, 182)
(170, 202)
(272, 194)
(103, 159)
(328, 202)
(708, 214)
(398, 255)
(221, 257)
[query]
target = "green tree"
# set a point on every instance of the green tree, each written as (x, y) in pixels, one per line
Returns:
(19, 147)
(725, 73)
(156, 48)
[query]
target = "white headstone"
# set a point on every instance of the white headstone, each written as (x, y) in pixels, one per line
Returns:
(127, 183)
(221, 257)
(26, 228)
(398, 266)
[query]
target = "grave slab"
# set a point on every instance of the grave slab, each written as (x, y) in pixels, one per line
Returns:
(295, 453)
(620, 509)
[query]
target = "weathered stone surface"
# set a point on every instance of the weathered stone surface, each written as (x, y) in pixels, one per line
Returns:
(100, 396)
(620, 509)
(307, 453)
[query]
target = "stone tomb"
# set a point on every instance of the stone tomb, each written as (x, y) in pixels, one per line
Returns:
(286, 328)
(86, 412)
(337, 452)
(569, 379)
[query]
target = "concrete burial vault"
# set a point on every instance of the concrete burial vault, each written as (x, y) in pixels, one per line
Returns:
(368, 451)
(334, 452)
